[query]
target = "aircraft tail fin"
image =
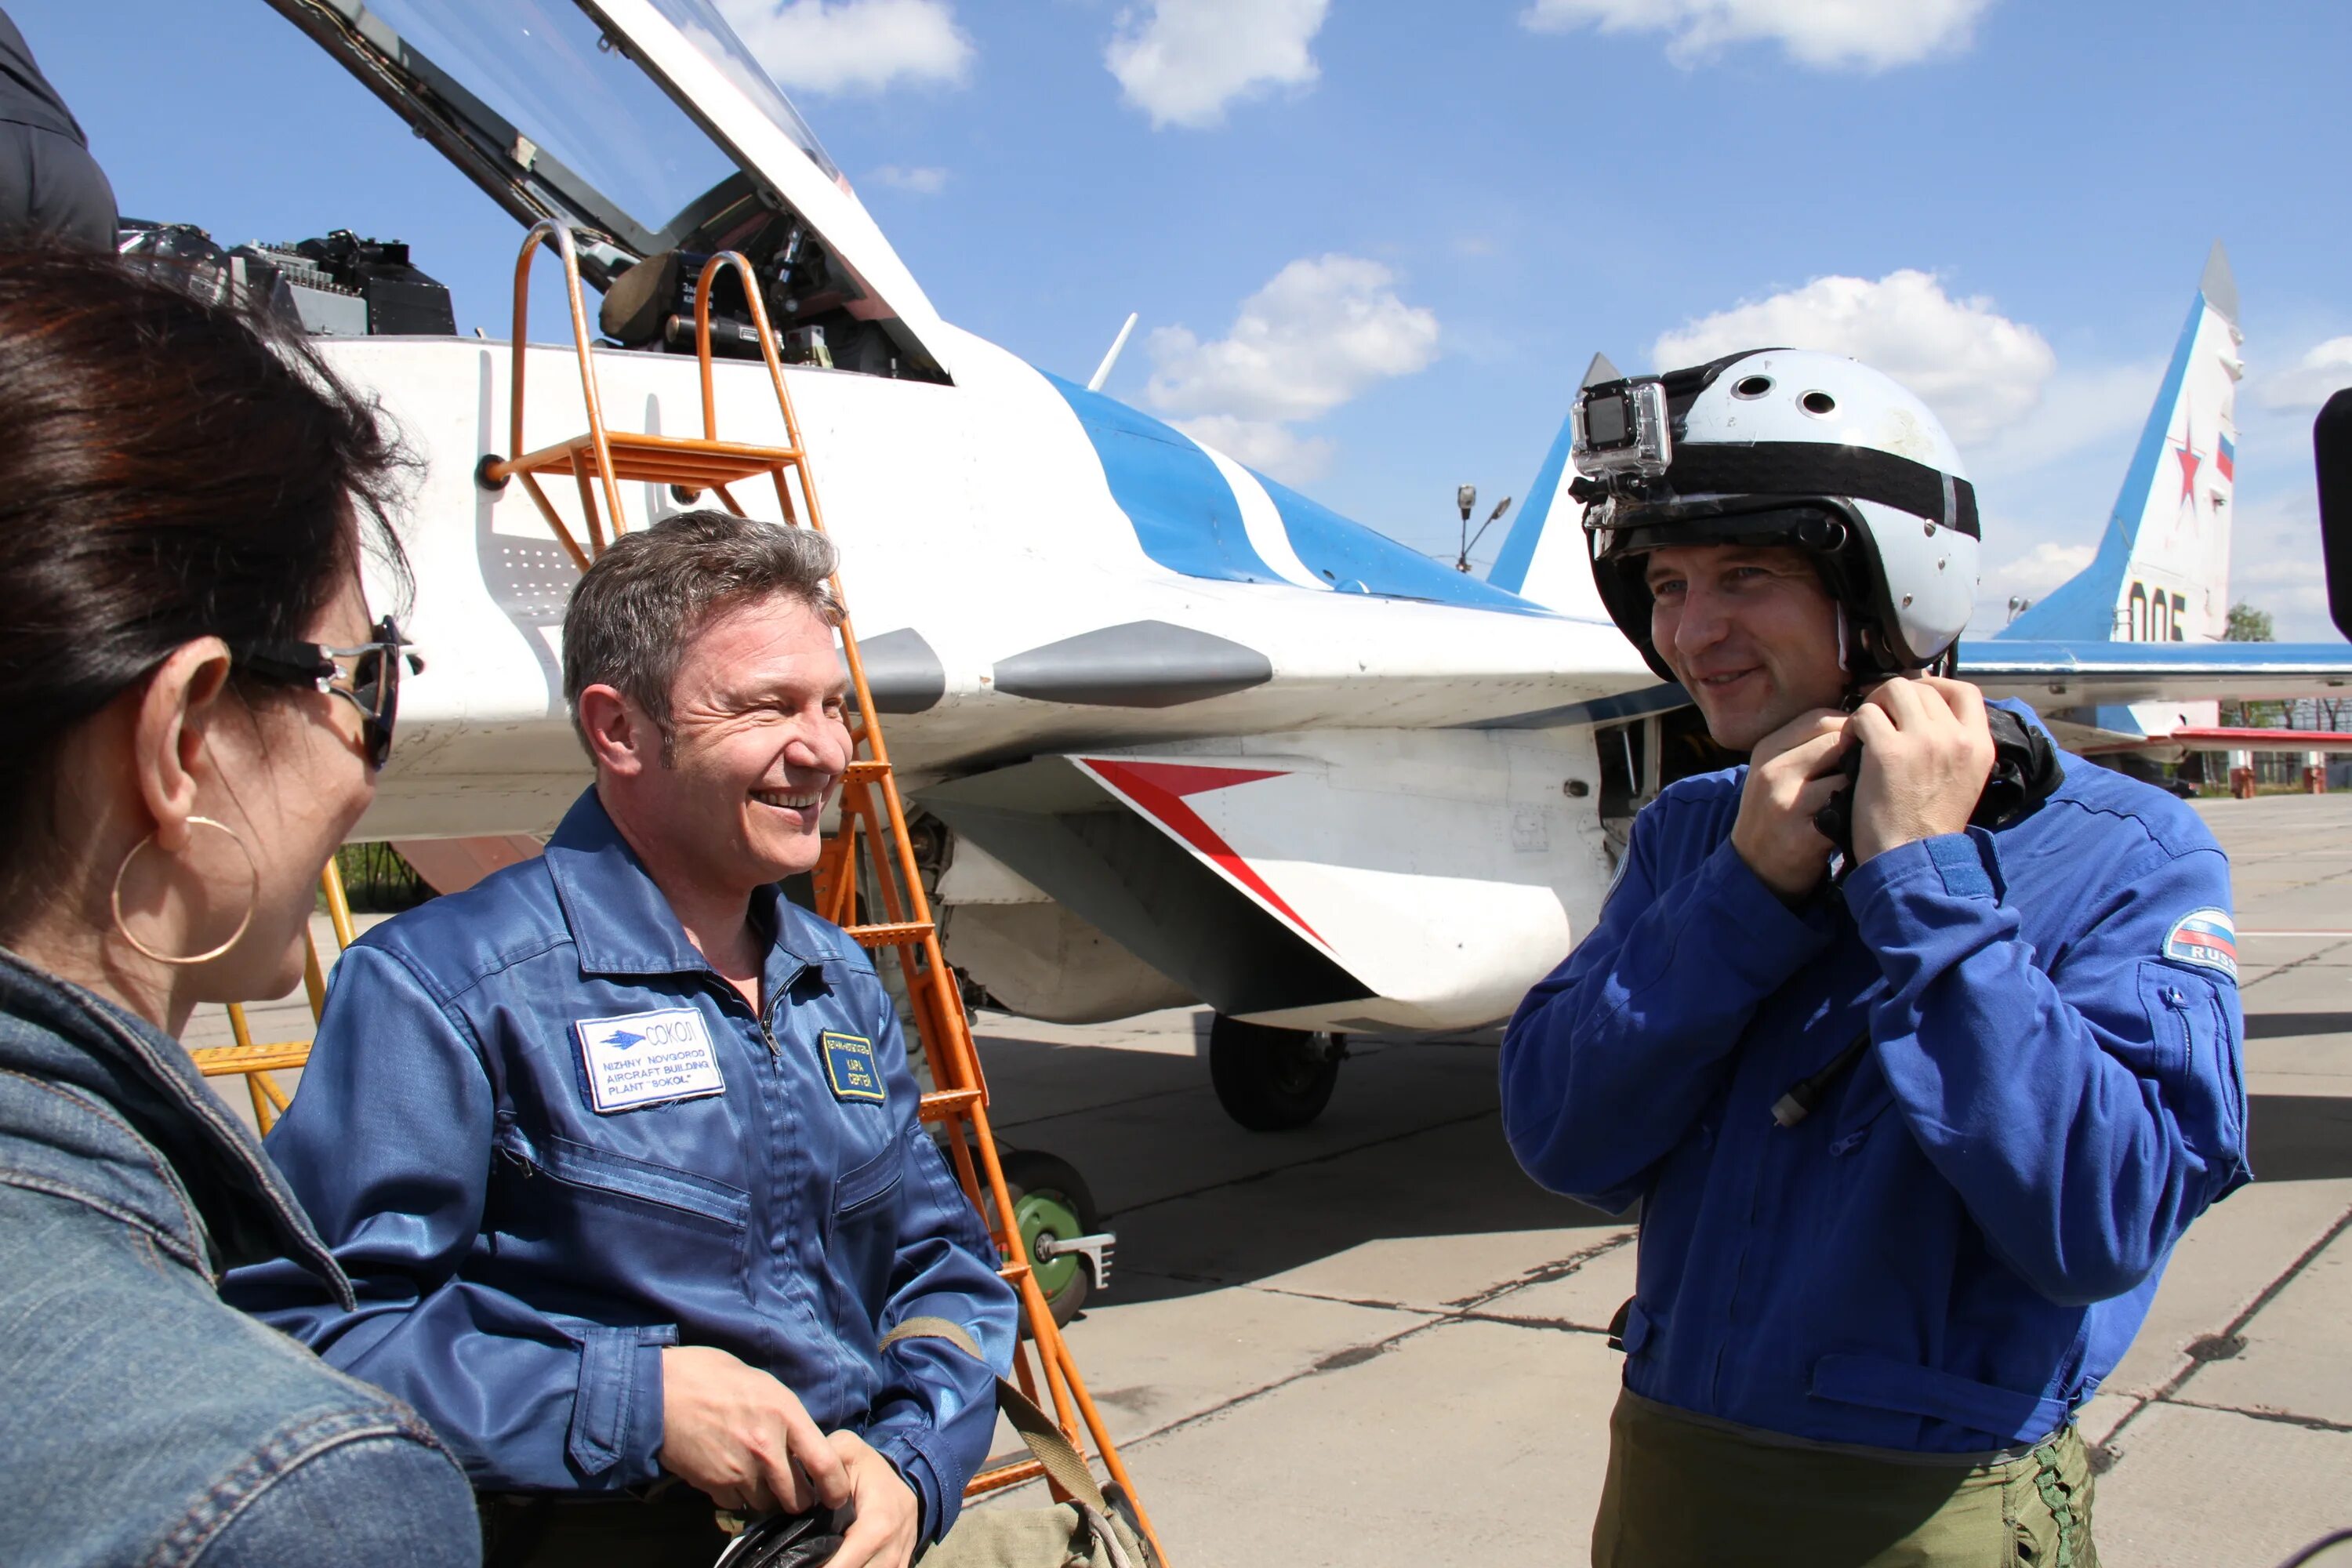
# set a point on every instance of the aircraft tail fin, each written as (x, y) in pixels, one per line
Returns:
(2161, 573)
(1543, 556)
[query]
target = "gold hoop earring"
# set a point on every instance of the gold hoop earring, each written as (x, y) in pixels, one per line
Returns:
(253, 898)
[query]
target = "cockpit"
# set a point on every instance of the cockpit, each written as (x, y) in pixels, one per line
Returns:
(653, 130)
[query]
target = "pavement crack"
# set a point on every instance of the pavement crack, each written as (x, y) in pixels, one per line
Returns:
(2314, 956)
(2234, 1327)
(1549, 1325)
(1543, 1274)
(2278, 1417)
(1370, 1303)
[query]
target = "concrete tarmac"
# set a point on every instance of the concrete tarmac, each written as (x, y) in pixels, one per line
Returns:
(1375, 1342)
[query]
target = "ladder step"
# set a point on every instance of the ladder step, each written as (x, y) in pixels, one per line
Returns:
(942, 1103)
(905, 933)
(866, 772)
(659, 459)
(1011, 1474)
(219, 1061)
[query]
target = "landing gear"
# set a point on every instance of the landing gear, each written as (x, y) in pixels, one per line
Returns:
(1061, 1230)
(1270, 1079)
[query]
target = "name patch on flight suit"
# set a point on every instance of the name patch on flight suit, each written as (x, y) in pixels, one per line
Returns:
(849, 1063)
(644, 1058)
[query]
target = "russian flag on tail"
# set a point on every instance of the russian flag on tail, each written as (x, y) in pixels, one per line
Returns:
(2226, 461)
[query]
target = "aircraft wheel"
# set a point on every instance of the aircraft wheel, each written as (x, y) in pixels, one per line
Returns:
(1270, 1079)
(1050, 1198)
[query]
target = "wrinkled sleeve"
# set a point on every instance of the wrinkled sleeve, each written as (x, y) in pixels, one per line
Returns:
(936, 1413)
(2084, 1115)
(1607, 1063)
(388, 1145)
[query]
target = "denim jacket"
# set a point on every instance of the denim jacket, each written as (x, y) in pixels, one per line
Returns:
(142, 1420)
(548, 1139)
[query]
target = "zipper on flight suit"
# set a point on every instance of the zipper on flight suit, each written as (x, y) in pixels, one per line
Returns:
(728, 997)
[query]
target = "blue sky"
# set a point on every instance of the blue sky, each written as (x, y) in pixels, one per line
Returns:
(1374, 244)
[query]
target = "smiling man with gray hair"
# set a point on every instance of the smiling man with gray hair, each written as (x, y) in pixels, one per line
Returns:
(620, 1148)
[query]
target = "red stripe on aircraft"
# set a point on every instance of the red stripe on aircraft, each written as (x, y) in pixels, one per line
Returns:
(1159, 788)
(2237, 740)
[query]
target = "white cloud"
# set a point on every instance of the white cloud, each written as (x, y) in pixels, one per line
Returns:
(1183, 61)
(2275, 560)
(923, 182)
(1322, 330)
(1263, 445)
(1977, 369)
(2029, 576)
(2102, 406)
(2323, 371)
(853, 46)
(1857, 35)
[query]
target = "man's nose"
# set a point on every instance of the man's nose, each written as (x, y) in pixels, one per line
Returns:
(1701, 620)
(822, 745)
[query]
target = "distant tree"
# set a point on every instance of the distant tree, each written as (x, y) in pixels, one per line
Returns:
(2248, 624)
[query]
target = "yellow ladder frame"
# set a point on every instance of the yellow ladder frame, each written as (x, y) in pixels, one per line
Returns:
(257, 1062)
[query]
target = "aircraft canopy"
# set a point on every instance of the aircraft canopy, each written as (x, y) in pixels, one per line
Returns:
(650, 126)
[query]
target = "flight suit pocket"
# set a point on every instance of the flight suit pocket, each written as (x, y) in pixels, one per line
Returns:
(1865, 1099)
(865, 1222)
(869, 1184)
(596, 1178)
(2170, 998)
(2194, 1056)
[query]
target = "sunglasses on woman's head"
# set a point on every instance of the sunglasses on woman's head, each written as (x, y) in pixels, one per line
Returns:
(373, 685)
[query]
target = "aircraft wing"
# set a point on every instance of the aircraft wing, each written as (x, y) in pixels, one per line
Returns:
(2106, 673)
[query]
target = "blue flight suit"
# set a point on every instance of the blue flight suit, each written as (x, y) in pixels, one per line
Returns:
(1951, 1252)
(521, 1258)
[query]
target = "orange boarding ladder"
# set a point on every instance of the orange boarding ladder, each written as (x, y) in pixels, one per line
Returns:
(873, 815)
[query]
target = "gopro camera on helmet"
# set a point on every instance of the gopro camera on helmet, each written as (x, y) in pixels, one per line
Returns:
(1621, 429)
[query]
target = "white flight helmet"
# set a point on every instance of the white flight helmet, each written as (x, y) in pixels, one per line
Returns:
(1785, 447)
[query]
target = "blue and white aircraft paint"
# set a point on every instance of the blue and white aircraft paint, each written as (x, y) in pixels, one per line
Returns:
(1184, 734)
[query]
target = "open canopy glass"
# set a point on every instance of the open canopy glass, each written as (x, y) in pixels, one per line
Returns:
(546, 70)
(651, 127)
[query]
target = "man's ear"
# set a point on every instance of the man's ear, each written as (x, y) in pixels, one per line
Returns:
(177, 709)
(623, 738)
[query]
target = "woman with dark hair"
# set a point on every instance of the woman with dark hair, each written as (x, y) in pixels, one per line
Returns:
(195, 705)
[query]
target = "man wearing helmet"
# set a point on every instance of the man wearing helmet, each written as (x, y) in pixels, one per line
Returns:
(1917, 1040)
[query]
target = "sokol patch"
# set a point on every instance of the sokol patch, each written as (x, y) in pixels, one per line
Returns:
(2207, 937)
(849, 1063)
(646, 1059)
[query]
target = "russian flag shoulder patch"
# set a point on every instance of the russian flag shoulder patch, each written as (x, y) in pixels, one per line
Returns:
(2206, 938)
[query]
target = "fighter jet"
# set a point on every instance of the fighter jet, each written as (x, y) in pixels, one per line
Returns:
(1178, 733)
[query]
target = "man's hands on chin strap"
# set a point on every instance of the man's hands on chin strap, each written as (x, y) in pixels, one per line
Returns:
(889, 1515)
(1926, 755)
(742, 1438)
(1791, 774)
(745, 1441)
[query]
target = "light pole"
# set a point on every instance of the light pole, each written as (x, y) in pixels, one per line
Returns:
(1466, 497)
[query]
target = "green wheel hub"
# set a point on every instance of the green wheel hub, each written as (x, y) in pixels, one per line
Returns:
(1048, 1213)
